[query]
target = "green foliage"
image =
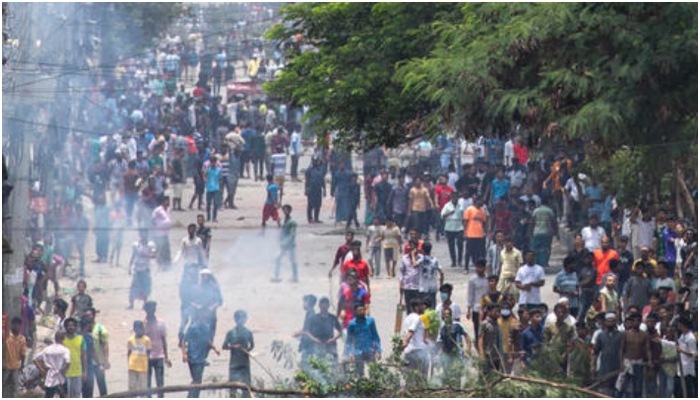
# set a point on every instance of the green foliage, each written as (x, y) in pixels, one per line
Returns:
(348, 82)
(612, 74)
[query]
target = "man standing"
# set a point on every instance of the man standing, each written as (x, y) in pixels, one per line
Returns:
(77, 372)
(409, 274)
(101, 338)
(419, 206)
(602, 258)
(287, 245)
(493, 255)
(490, 339)
(324, 331)
(14, 351)
(593, 234)
(544, 227)
(177, 178)
(158, 357)
(53, 362)
(195, 346)
(634, 349)
(362, 344)
(477, 288)
(314, 190)
(606, 350)
(398, 201)
(295, 152)
(160, 219)
(529, 280)
(342, 251)
(204, 234)
(454, 228)
(475, 232)
(566, 284)
(415, 348)
(431, 276)
(511, 260)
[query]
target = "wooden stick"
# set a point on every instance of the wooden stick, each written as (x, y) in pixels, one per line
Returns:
(564, 386)
(209, 386)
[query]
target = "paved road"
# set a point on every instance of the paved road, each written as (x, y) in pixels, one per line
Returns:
(242, 260)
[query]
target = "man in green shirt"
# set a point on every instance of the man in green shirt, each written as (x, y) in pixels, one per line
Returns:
(101, 337)
(287, 245)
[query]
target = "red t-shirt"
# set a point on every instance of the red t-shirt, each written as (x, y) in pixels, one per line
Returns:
(442, 195)
(340, 254)
(520, 152)
(361, 266)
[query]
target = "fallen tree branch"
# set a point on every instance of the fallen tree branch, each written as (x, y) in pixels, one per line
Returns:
(602, 379)
(589, 393)
(210, 386)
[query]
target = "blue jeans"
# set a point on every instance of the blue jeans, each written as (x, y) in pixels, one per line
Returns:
(157, 366)
(292, 251)
(542, 246)
(196, 372)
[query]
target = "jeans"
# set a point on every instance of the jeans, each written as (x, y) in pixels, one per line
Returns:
(102, 243)
(233, 185)
(476, 322)
(375, 260)
(212, 200)
(51, 392)
(88, 386)
(542, 246)
(409, 295)
(292, 258)
(196, 372)
(455, 245)
(665, 384)
(419, 221)
(156, 365)
(129, 202)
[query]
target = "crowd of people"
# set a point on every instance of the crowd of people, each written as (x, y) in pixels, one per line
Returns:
(626, 319)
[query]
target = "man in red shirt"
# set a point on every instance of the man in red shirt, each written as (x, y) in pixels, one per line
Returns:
(443, 194)
(342, 251)
(357, 263)
(601, 259)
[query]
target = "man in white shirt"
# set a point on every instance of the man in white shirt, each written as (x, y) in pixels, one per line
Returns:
(415, 350)
(295, 152)
(529, 280)
(191, 249)
(688, 351)
(279, 165)
(593, 234)
(643, 228)
(53, 362)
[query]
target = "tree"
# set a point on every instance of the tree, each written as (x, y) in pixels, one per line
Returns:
(622, 77)
(347, 78)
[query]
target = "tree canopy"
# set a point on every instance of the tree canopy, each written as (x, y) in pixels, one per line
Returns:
(348, 79)
(621, 77)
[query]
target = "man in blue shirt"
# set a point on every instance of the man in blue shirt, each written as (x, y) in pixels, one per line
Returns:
(195, 347)
(362, 344)
(499, 187)
(532, 336)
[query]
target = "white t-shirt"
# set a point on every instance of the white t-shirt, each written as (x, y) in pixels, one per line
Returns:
(55, 357)
(279, 164)
(456, 311)
(645, 232)
(414, 324)
(530, 274)
(592, 237)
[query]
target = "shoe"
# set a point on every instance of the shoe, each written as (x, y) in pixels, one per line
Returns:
(294, 280)
(276, 280)
(318, 221)
(233, 207)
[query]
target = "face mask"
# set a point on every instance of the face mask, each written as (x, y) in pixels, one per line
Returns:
(505, 313)
(443, 296)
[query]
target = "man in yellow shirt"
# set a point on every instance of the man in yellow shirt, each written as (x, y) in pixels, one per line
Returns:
(138, 349)
(14, 350)
(77, 371)
(511, 260)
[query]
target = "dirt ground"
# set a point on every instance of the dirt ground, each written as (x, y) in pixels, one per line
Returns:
(242, 260)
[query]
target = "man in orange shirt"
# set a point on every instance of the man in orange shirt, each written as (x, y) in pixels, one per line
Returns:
(475, 232)
(601, 259)
(358, 263)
